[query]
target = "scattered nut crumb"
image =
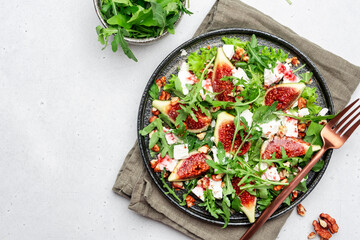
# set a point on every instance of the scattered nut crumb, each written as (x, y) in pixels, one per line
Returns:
(156, 148)
(204, 149)
(301, 103)
(152, 119)
(311, 235)
(190, 201)
(164, 96)
(301, 210)
(201, 136)
(331, 222)
(155, 111)
(177, 185)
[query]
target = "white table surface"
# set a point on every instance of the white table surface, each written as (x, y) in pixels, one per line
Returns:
(68, 118)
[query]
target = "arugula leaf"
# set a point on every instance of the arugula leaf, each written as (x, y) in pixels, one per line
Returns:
(198, 59)
(154, 91)
(234, 41)
(265, 114)
(306, 76)
(236, 204)
(310, 95)
(158, 14)
(166, 186)
(318, 166)
(313, 134)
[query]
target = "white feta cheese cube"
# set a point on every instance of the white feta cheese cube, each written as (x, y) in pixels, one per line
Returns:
(228, 50)
(271, 128)
(248, 116)
(199, 192)
(166, 162)
(216, 188)
(186, 77)
(303, 112)
(181, 151)
(170, 138)
(291, 125)
(269, 77)
(239, 73)
(323, 112)
(214, 151)
(272, 174)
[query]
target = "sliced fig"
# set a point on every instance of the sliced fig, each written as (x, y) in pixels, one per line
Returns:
(285, 94)
(191, 167)
(222, 68)
(293, 147)
(171, 111)
(248, 201)
(224, 133)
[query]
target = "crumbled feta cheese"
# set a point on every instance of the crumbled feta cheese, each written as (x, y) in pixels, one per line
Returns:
(214, 151)
(323, 112)
(212, 139)
(291, 125)
(181, 151)
(213, 122)
(199, 192)
(303, 112)
(239, 73)
(271, 128)
(290, 77)
(269, 77)
(186, 77)
(216, 188)
(248, 116)
(272, 174)
(206, 84)
(280, 70)
(183, 52)
(263, 166)
(228, 50)
(229, 155)
(165, 130)
(170, 138)
(166, 162)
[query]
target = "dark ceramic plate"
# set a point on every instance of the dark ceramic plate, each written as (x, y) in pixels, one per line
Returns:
(170, 66)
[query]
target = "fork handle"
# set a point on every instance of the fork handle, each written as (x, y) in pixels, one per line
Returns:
(282, 196)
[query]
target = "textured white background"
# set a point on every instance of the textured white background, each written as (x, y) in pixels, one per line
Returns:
(68, 118)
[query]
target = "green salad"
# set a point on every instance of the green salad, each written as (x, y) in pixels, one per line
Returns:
(137, 19)
(233, 126)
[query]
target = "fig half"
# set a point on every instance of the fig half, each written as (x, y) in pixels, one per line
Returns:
(171, 111)
(293, 147)
(248, 201)
(222, 68)
(285, 94)
(192, 167)
(224, 133)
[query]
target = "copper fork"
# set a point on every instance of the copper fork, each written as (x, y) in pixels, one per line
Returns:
(334, 135)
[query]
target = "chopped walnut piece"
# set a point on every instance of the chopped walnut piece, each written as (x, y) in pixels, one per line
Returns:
(331, 222)
(190, 201)
(153, 163)
(246, 58)
(164, 96)
(294, 195)
(214, 109)
(284, 174)
(217, 177)
(302, 127)
(152, 119)
(174, 101)
(155, 111)
(204, 149)
(279, 187)
(322, 232)
(239, 52)
(323, 122)
(295, 61)
(311, 235)
(177, 185)
(302, 134)
(159, 83)
(301, 210)
(156, 148)
(301, 103)
(201, 136)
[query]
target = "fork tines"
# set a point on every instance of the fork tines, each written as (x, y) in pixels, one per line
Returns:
(347, 119)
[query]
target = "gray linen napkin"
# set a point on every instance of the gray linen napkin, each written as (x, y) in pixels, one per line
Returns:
(133, 181)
